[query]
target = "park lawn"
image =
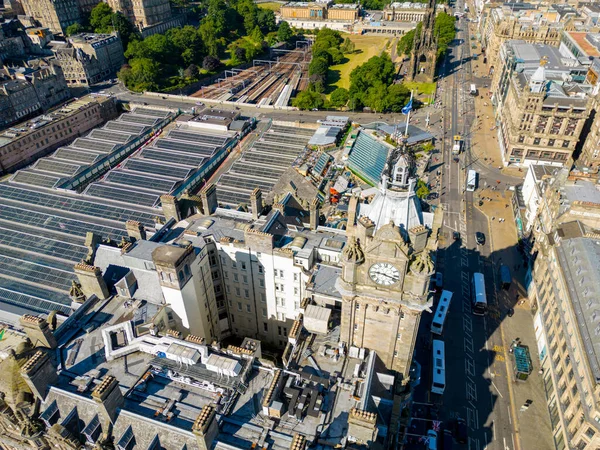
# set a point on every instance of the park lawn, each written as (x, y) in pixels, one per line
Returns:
(273, 6)
(366, 47)
(420, 88)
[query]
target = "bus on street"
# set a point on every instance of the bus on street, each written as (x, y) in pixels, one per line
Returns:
(438, 383)
(437, 325)
(471, 180)
(478, 296)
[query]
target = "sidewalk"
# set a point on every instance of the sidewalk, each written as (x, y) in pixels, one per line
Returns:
(533, 424)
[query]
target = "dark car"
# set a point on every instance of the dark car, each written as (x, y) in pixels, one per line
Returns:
(460, 431)
(480, 238)
(456, 236)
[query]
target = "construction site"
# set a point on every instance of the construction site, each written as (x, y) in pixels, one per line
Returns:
(268, 82)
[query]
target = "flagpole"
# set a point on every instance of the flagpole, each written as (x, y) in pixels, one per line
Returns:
(408, 117)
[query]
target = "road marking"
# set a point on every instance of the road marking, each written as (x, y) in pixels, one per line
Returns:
(497, 390)
(509, 416)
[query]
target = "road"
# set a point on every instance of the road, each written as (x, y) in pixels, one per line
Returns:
(477, 374)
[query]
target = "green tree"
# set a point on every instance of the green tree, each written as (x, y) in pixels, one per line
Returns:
(377, 72)
(159, 48)
(348, 46)
(284, 32)
(192, 71)
(445, 30)
(257, 35)
(422, 190)
(208, 30)
(188, 43)
(406, 42)
(100, 16)
(427, 147)
(142, 74)
(210, 63)
(318, 66)
(308, 100)
(339, 97)
(337, 57)
(397, 97)
(74, 29)
(265, 18)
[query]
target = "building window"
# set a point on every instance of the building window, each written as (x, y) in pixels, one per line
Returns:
(235, 276)
(233, 264)
(260, 269)
(265, 327)
(232, 318)
(565, 144)
(536, 141)
(357, 307)
(262, 297)
(226, 274)
(281, 274)
(243, 265)
(261, 282)
(246, 293)
(355, 327)
(264, 312)
(590, 433)
(248, 308)
(296, 291)
(551, 142)
(275, 272)
(245, 278)
(227, 288)
(279, 331)
(180, 276)
(395, 353)
(239, 306)
(237, 291)
(399, 336)
(296, 276)
(521, 139)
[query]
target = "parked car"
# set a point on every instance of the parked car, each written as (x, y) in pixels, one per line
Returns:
(460, 431)
(480, 238)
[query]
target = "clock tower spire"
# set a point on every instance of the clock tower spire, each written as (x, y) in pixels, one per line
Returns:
(384, 287)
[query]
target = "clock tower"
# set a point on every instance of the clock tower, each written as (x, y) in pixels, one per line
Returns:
(384, 286)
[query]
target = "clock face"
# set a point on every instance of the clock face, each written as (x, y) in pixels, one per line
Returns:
(385, 274)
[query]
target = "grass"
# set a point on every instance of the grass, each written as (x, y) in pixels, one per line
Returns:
(273, 6)
(366, 47)
(420, 88)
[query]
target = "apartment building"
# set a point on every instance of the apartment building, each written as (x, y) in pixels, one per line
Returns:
(541, 104)
(143, 13)
(25, 142)
(521, 21)
(89, 58)
(29, 90)
(56, 15)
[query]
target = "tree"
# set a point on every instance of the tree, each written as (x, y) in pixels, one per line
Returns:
(192, 71)
(257, 35)
(100, 16)
(239, 53)
(159, 48)
(210, 63)
(397, 97)
(348, 46)
(406, 42)
(339, 97)
(143, 75)
(284, 33)
(308, 100)
(445, 31)
(265, 18)
(208, 32)
(188, 43)
(337, 57)
(318, 66)
(427, 147)
(377, 72)
(422, 190)
(74, 29)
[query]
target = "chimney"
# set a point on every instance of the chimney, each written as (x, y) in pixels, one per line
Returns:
(362, 427)
(91, 280)
(208, 194)
(352, 207)
(135, 230)
(39, 373)
(38, 331)
(108, 397)
(418, 237)
(170, 207)
(206, 427)
(256, 203)
(314, 214)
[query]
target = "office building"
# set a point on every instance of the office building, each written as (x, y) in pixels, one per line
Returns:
(541, 104)
(26, 91)
(88, 58)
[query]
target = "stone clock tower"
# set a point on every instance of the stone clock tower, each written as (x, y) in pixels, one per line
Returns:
(384, 286)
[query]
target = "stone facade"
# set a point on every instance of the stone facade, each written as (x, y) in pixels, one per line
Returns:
(90, 58)
(540, 113)
(320, 11)
(56, 15)
(590, 151)
(30, 90)
(143, 13)
(404, 12)
(64, 126)
(387, 305)
(424, 53)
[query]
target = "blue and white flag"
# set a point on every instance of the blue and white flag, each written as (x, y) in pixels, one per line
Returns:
(408, 107)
